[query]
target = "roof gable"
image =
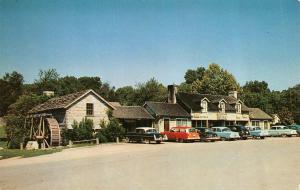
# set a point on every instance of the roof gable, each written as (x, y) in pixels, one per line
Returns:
(131, 112)
(192, 101)
(64, 102)
(166, 109)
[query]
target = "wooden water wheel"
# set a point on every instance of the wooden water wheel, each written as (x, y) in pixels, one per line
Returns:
(45, 129)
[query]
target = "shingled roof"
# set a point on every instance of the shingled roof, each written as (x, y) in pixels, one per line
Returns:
(131, 112)
(193, 101)
(62, 102)
(166, 109)
(256, 113)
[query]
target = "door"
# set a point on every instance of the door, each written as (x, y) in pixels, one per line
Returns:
(166, 124)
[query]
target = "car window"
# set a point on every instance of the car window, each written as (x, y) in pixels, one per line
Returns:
(273, 128)
(140, 131)
(257, 128)
(285, 128)
(151, 131)
(182, 130)
(225, 129)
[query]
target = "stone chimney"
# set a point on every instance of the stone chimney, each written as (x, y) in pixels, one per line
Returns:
(172, 90)
(48, 93)
(233, 94)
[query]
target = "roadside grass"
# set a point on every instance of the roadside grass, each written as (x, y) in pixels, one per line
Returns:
(9, 153)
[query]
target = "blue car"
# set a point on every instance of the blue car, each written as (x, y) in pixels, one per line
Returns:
(295, 127)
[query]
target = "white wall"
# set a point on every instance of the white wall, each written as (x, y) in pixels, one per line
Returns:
(78, 111)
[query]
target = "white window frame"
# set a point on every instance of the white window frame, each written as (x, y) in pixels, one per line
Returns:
(204, 106)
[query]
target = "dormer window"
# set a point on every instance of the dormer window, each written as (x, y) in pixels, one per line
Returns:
(222, 106)
(204, 106)
(238, 108)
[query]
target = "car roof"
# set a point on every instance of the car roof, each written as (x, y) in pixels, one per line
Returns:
(220, 127)
(145, 128)
(181, 127)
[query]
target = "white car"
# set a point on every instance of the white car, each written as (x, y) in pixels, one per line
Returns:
(225, 133)
(281, 130)
(257, 132)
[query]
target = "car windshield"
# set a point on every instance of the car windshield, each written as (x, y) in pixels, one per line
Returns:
(151, 131)
(285, 128)
(257, 128)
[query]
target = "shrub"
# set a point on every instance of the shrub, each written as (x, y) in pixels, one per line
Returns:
(81, 131)
(111, 130)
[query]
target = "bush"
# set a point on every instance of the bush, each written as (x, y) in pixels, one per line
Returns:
(101, 136)
(111, 131)
(81, 131)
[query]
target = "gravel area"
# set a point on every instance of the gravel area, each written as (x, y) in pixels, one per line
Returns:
(272, 163)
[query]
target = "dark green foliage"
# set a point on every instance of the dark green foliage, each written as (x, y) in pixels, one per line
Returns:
(125, 95)
(81, 131)
(193, 75)
(10, 89)
(15, 120)
(286, 117)
(110, 131)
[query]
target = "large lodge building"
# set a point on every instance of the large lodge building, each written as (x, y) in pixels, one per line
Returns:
(181, 109)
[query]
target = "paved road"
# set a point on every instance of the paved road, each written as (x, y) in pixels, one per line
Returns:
(254, 164)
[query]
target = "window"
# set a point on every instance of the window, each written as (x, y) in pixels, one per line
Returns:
(238, 108)
(222, 106)
(181, 122)
(255, 123)
(89, 109)
(204, 106)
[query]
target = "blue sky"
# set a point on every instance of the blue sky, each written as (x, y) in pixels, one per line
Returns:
(126, 42)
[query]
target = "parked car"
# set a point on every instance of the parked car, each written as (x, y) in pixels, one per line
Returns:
(225, 133)
(257, 132)
(207, 135)
(242, 130)
(281, 130)
(295, 127)
(182, 134)
(145, 134)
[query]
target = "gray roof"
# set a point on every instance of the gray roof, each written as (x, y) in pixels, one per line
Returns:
(62, 102)
(193, 101)
(256, 113)
(131, 112)
(166, 109)
(115, 104)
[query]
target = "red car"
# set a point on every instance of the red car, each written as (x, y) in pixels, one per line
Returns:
(182, 134)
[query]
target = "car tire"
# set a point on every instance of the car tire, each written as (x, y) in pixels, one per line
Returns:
(262, 137)
(223, 139)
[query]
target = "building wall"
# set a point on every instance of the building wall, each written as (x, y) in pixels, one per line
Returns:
(219, 116)
(159, 123)
(78, 111)
(264, 124)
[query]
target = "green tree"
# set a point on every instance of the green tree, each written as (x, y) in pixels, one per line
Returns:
(215, 81)
(286, 116)
(48, 80)
(152, 90)
(11, 86)
(193, 75)
(125, 95)
(15, 120)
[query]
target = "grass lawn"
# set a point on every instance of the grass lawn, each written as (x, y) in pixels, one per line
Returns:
(9, 153)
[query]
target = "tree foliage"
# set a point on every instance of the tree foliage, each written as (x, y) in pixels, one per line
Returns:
(215, 81)
(10, 89)
(193, 75)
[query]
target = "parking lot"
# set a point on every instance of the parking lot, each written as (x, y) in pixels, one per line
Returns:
(272, 163)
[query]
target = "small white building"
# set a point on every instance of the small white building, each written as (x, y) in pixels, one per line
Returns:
(75, 107)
